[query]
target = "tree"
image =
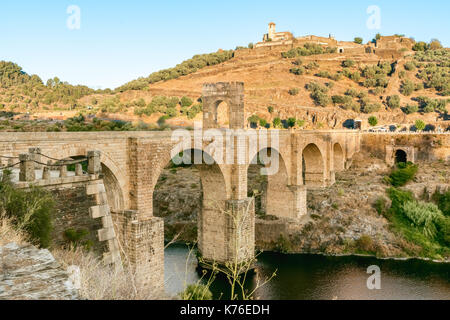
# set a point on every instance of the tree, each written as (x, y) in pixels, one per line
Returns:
(301, 123)
(420, 125)
(186, 102)
(411, 108)
(393, 102)
(293, 91)
(373, 121)
(253, 120)
(291, 122)
(407, 88)
(420, 46)
(270, 109)
(358, 40)
(277, 122)
(435, 44)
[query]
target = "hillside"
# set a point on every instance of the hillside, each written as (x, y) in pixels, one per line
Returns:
(311, 82)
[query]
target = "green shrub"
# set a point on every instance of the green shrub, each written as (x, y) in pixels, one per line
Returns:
(196, 292)
(370, 107)
(407, 88)
(291, 122)
(77, 237)
(262, 123)
(425, 216)
(277, 123)
(294, 91)
(420, 46)
(348, 63)
(393, 102)
(283, 244)
(352, 93)
(307, 50)
(443, 202)
(420, 125)
(253, 120)
(403, 174)
(341, 100)
(410, 109)
(398, 198)
(321, 98)
(31, 210)
(373, 121)
(410, 66)
(358, 40)
(186, 102)
(300, 123)
(297, 71)
(298, 62)
(380, 205)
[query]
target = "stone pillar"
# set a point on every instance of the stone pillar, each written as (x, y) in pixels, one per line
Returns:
(36, 153)
(27, 172)
(94, 163)
(46, 173)
(241, 230)
(63, 171)
(78, 169)
(143, 243)
(299, 198)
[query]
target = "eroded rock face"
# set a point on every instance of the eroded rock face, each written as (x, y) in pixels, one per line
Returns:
(27, 273)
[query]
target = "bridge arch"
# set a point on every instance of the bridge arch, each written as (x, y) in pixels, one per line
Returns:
(276, 196)
(313, 166)
(113, 178)
(212, 219)
(222, 113)
(338, 158)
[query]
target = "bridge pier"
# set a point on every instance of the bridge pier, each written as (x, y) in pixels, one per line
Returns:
(229, 236)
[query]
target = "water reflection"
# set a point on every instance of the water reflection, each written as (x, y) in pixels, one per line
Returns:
(305, 277)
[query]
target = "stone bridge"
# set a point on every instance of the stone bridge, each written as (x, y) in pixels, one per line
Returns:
(132, 162)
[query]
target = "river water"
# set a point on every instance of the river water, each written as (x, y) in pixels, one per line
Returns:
(306, 277)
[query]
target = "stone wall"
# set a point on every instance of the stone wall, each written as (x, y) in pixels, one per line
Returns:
(72, 211)
(428, 147)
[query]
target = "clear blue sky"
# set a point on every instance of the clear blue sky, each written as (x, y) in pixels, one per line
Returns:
(122, 40)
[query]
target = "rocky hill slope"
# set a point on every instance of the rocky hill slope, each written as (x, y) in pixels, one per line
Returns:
(321, 88)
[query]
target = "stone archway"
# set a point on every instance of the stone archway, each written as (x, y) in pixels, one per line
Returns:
(401, 156)
(214, 94)
(222, 114)
(212, 221)
(313, 166)
(276, 195)
(338, 158)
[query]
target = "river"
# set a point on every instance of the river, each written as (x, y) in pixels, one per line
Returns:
(315, 277)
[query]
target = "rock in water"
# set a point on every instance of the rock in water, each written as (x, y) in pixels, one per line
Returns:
(27, 273)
